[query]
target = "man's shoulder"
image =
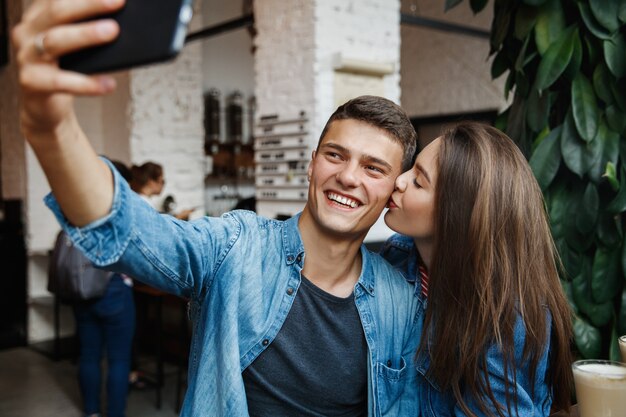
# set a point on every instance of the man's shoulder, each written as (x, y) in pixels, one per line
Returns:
(254, 229)
(398, 242)
(250, 220)
(383, 271)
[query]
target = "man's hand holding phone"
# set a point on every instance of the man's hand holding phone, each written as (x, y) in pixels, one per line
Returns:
(57, 39)
(48, 30)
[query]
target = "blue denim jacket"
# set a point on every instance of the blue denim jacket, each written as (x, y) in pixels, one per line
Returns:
(241, 273)
(400, 251)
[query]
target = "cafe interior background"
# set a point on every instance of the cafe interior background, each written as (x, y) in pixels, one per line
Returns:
(235, 117)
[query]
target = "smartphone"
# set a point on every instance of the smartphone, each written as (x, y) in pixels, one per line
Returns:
(150, 31)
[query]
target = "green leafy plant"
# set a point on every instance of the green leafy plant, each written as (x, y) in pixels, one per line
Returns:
(565, 62)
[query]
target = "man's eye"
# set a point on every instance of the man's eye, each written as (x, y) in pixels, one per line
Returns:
(374, 168)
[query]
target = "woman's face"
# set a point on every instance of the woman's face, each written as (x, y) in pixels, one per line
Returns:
(157, 186)
(412, 204)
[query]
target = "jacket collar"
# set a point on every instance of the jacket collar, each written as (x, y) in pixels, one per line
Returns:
(292, 241)
(294, 252)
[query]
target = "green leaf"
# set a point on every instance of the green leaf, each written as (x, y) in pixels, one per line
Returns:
(556, 59)
(558, 202)
(618, 204)
(591, 23)
(588, 339)
(500, 25)
(577, 57)
(525, 20)
(622, 11)
(605, 11)
(572, 260)
(606, 279)
(614, 352)
(578, 241)
(521, 84)
(615, 118)
(619, 98)
(534, 2)
(615, 55)
(624, 257)
(477, 5)
(509, 84)
(608, 141)
(585, 108)
(567, 289)
(546, 158)
(599, 313)
(501, 120)
(538, 110)
(592, 50)
(609, 231)
(516, 122)
(622, 157)
(587, 216)
(519, 62)
(578, 155)
(500, 64)
(610, 173)
(601, 79)
(451, 3)
(550, 24)
(621, 318)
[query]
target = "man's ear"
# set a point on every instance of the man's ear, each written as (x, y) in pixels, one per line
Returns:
(309, 170)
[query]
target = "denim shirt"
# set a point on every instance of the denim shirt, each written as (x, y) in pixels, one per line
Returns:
(241, 273)
(400, 251)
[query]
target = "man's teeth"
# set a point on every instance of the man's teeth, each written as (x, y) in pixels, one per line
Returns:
(342, 200)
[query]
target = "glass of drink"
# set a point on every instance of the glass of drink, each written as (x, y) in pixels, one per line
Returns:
(600, 388)
(622, 347)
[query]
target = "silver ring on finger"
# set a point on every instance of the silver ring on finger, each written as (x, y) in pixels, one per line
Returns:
(40, 45)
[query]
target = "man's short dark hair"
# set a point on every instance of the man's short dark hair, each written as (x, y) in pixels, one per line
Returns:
(383, 114)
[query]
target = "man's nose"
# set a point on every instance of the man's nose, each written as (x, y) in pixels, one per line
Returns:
(348, 176)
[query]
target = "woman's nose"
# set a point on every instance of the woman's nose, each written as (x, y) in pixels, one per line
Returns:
(402, 181)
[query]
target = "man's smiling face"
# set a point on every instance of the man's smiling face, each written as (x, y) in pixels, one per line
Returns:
(352, 175)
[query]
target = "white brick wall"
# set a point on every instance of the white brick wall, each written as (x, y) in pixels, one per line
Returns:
(296, 44)
(284, 59)
(367, 30)
(166, 123)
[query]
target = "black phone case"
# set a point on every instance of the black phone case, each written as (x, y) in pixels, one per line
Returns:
(150, 31)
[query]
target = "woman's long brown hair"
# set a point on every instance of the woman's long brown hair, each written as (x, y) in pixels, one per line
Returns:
(494, 262)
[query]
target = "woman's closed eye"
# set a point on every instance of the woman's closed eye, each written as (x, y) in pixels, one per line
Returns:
(416, 183)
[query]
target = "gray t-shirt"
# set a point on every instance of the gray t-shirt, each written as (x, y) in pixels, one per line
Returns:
(316, 365)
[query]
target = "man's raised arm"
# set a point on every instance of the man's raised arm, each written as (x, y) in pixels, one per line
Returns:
(80, 181)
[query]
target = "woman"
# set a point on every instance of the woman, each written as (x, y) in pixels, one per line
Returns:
(106, 324)
(147, 179)
(496, 330)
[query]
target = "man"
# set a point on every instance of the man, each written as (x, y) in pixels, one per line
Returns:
(289, 318)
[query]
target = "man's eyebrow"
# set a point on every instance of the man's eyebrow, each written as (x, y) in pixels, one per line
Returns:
(335, 146)
(421, 169)
(365, 157)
